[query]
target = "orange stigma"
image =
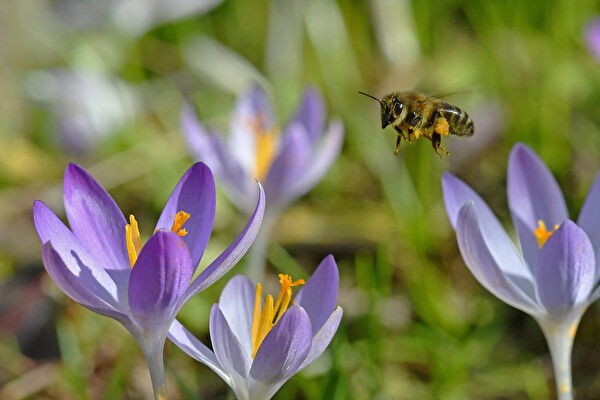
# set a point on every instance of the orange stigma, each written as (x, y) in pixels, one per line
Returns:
(542, 234)
(264, 319)
(133, 239)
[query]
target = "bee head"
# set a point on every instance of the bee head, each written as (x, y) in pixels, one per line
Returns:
(391, 109)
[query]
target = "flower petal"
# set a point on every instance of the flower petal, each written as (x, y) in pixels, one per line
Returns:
(194, 194)
(196, 349)
(565, 269)
(319, 296)
(533, 195)
(222, 264)
(284, 348)
(159, 279)
(491, 265)
(71, 266)
(324, 155)
(80, 288)
(592, 36)
(237, 305)
(456, 194)
(228, 349)
(289, 166)
(209, 148)
(95, 219)
(252, 115)
(323, 337)
(311, 114)
(589, 220)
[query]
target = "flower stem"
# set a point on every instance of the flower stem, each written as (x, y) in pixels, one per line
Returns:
(154, 358)
(560, 341)
(257, 255)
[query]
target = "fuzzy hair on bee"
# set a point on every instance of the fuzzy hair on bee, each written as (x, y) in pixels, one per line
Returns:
(414, 115)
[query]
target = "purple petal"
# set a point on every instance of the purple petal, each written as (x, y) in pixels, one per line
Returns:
(289, 165)
(70, 264)
(589, 220)
(311, 114)
(323, 337)
(324, 155)
(592, 37)
(195, 349)
(237, 305)
(233, 253)
(252, 115)
(82, 288)
(533, 195)
(95, 219)
(209, 148)
(195, 194)
(490, 266)
(565, 270)
(319, 296)
(456, 195)
(159, 278)
(228, 349)
(199, 139)
(284, 348)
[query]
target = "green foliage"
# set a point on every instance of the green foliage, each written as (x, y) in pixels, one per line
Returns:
(416, 324)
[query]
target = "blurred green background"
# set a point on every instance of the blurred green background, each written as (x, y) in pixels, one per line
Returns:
(101, 83)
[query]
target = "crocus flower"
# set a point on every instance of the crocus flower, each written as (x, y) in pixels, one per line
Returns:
(258, 345)
(288, 165)
(100, 261)
(555, 275)
(592, 36)
(88, 106)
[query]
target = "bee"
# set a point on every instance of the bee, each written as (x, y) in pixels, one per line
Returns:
(416, 115)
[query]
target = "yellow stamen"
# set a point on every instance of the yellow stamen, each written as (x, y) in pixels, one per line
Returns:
(133, 240)
(542, 234)
(180, 218)
(265, 147)
(263, 320)
(265, 324)
(256, 317)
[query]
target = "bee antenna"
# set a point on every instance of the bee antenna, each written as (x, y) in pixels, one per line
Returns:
(373, 97)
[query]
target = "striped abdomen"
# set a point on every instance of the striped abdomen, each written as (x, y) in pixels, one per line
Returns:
(459, 121)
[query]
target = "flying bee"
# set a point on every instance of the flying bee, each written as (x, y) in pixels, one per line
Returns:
(416, 115)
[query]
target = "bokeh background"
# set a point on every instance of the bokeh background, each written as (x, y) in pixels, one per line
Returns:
(102, 83)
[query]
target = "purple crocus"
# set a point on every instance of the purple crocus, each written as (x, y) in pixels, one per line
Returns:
(100, 261)
(554, 277)
(258, 345)
(288, 165)
(592, 36)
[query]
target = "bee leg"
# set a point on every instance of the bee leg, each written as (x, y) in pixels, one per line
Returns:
(397, 145)
(436, 141)
(400, 132)
(441, 125)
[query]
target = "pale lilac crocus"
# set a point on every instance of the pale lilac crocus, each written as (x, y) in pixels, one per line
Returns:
(592, 36)
(554, 277)
(287, 164)
(251, 353)
(100, 261)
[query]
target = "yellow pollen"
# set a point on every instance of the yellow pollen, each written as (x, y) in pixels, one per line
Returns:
(180, 218)
(265, 147)
(263, 320)
(542, 234)
(133, 240)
